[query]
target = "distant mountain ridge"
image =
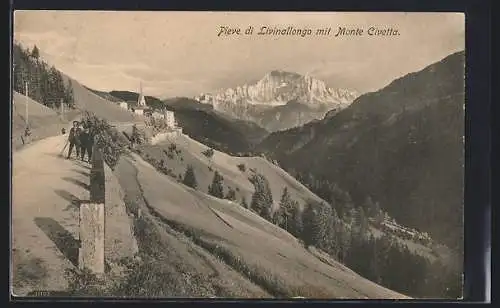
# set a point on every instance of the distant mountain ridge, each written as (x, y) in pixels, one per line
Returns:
(232, 136)
(132, 98)
(280, 100)
(202, 123)
(401, 145)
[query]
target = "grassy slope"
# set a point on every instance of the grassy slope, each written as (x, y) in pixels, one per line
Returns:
(105, 95)
(262, 252)
(87, 100)
(44, 122)
(227, 166)
(191, 153)
(173, 265)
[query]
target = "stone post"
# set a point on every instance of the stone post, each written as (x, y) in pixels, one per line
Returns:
(92, 219)
(97, 178)
(91, 254)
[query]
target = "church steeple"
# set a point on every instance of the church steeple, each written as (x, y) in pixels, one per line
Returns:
(141, 101)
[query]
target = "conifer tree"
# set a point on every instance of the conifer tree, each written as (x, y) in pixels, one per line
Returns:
(295, 226)
(283, 214)
(309, 227)
(69, 95)
(344, 239)
(262, 198)
(316, 219)
(35, 53)
(216, 189)
(190, 178)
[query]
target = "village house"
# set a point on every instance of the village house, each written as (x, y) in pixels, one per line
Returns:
(123, 105)
(170, 119)
(158, 115)
(139, 110)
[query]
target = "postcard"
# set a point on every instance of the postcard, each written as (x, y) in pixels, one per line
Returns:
(288, 155)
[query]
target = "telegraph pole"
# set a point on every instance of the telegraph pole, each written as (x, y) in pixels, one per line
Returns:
(62, 109)
(27, 102)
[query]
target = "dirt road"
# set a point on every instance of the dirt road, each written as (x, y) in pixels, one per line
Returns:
(46, 190)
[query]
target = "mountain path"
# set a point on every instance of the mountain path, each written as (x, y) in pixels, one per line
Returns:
(46, 191)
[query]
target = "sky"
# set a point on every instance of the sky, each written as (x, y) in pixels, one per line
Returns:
(181, 54)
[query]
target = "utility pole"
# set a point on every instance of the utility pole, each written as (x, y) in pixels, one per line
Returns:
(27, 132)
(62, 109)
(27, 98)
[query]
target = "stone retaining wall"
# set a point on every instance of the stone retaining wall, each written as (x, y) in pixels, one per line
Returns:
(106, 233)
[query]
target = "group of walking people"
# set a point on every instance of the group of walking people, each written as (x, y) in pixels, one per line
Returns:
(82, 139)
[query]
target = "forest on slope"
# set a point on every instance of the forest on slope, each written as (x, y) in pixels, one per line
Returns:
(45, 83)
(402, 146)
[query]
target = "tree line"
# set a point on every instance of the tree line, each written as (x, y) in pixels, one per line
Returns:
(45, 83)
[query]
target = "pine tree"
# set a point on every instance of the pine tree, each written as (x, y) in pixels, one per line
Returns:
(341, 200)
(316, 220)
(295, 226)
(69, 99)
(363, 222)
(374, 267)
(52, 93)
(190, 178)
(309, 229)
(216, 189)
(35, 53)
(19, 74)
(262, 198)
(136, 136)
(285, 201)
(325, 219)
(44, 86)
(344, 239)
(332, 243)
(284, 212)
(60, 88)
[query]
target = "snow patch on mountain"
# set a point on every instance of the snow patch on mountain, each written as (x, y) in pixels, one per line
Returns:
(265, 101)
(278, 87)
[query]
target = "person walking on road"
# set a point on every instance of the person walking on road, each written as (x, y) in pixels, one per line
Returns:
(74, 139)
(87, 142)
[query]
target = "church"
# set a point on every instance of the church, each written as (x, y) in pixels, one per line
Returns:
(141, 103)
(166, 123)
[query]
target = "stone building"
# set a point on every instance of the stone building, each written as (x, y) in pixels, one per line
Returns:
(170, 119)
(123, 105)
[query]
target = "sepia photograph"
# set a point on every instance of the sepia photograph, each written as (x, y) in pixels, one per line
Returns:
(237, 155)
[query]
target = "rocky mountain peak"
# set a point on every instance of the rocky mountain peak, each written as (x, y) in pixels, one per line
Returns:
(276, 89)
